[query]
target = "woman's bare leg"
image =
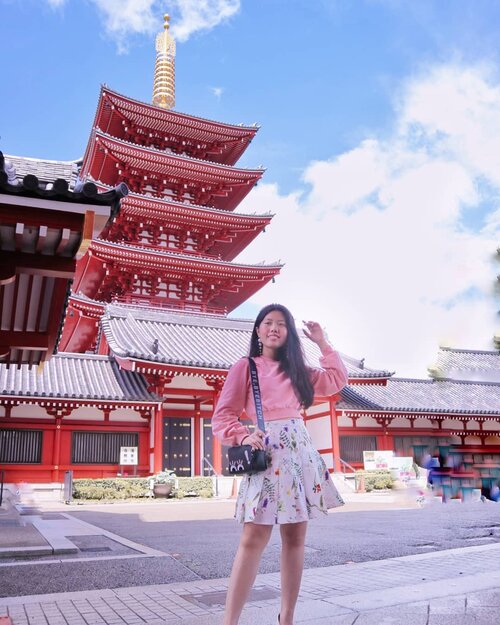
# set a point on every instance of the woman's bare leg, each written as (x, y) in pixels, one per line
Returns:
(253, 540)
(293, 536)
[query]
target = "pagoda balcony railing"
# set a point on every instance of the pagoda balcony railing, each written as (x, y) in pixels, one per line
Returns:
(161, 303)
(168, 249)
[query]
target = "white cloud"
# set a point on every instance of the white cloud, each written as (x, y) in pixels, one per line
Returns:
(123, 18)
(198, 15)
(377, 248)
(127, 17)
(217, 91)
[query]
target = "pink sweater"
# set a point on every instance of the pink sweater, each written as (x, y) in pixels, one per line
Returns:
(279, 400)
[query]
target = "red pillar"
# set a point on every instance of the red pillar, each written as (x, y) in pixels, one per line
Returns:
(334, 427)
(158, 440)
(197, 439)
(56, 452)
(216, 445)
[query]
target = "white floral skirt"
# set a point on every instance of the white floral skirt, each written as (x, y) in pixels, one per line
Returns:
(295, 487)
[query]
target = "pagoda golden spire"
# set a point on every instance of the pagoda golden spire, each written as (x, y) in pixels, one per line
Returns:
(164, 81)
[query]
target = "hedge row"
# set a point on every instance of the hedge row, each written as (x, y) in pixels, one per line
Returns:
(137, 488)
(380, 479)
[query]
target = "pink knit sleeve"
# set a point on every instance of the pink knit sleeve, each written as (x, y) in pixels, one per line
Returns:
(225, 421)
(332, 377)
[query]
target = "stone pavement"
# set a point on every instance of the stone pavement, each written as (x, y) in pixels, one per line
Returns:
(453, 587)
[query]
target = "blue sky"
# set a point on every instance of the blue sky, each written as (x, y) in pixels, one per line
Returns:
(379, 134)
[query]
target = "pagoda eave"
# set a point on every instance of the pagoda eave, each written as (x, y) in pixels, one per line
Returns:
(111, 161)
(133, 256)
(169, 370)
(225, 143)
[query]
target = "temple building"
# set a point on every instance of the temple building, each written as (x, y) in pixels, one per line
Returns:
(145, 337)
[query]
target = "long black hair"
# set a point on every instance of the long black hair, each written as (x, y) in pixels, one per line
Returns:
(290, 356)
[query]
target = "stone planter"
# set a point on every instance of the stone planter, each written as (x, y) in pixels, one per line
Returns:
(162, 490)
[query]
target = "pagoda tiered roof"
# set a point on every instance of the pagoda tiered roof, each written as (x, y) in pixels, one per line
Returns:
(217, 233)
(187, 343)
(227, 284)
(129, 119)
(44, 226)
(414, 397)
(109, 160)
(467, 364)
(75, 377)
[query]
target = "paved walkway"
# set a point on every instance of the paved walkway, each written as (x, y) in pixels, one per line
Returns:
(459, 586)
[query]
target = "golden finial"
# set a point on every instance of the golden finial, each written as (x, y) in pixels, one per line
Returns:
(164, 80)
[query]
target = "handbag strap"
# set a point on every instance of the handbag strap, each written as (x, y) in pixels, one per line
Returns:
(254, 378)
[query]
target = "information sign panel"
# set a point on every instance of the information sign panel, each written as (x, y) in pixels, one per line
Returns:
(129, 456)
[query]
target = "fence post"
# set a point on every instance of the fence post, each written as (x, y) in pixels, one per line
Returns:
(68, 486)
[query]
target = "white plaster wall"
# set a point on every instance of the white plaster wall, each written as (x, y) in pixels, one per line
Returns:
(188, 381)
(31, 411)
(400, 422)
(491, 426)
(344, 422)
(328, 458)
(472, 425)
(126, 414)
(452, 424)
(320, 432)
(493, 440)
(424, 423)
(367, 422)
(2, 411)
(472, 440)
(87, 413)
(324, 407)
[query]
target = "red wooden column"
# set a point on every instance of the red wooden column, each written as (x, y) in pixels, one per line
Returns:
(158, 439)
(334, 427)
(58, 414)
(197, 439)
(56, 454)
(216, 444)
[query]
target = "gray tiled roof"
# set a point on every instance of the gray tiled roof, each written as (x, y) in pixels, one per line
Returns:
(76, 376)
(46, 171)
(431, 396)
(53, 180)
(467, 364)
(207, 341)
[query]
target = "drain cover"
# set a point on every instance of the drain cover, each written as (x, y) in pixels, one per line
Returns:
(204, 599)
(94, 549)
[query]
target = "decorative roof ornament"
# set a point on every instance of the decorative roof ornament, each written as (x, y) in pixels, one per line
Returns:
(164, 80)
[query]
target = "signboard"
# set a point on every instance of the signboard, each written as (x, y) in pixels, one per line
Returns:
(404, 467)
(373, 460)
(129, 456)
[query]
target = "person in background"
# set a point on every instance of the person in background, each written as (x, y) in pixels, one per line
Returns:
(296, 486)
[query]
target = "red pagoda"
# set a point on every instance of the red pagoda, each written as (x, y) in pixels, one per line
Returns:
(172, 245)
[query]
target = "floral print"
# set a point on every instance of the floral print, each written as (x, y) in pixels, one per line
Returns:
(295, 487)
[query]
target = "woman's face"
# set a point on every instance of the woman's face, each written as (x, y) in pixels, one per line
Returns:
(273, 332)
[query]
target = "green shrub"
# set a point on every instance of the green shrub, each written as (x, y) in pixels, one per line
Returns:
(138, 488)
(111, 488)
(380, 479)
(195, 486)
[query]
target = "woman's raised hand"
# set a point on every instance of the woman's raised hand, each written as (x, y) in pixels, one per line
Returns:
(314, 332)
(255, 439)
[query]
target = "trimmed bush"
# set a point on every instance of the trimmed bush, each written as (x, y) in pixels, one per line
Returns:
(380, 479)
(112, 488)
(194, 487)
(138, 488)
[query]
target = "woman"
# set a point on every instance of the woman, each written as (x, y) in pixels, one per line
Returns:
(296, 486)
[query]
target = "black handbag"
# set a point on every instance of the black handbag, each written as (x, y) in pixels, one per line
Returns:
(242, 458)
